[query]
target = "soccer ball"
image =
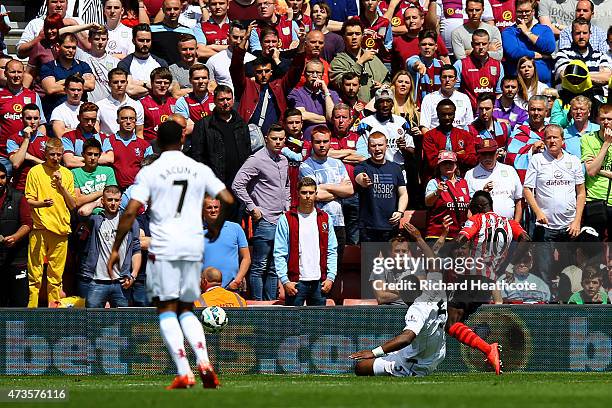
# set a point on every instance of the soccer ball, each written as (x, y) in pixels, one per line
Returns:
(213, 319)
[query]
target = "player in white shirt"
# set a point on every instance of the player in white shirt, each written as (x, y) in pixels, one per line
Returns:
(174, 186)
(463, 115)
(498, 179)
(421, 347)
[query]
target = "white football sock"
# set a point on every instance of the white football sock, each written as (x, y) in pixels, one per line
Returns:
(173, 338)
(192, 328)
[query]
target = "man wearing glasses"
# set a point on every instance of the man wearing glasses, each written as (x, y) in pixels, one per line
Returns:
(287, 29)
(128, 149)
(315, 100)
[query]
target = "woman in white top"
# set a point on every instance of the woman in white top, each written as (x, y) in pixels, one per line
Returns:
(528, 82)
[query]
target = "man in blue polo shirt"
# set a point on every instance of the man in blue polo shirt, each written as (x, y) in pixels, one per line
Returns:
(165, 35)
(229, 252)
(53, 74)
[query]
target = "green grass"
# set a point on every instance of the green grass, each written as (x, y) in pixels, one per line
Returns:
(474, 390)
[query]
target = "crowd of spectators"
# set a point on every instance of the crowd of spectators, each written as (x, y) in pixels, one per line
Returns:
(328, 121)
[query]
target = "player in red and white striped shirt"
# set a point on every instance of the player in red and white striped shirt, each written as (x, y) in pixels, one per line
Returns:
(489, 236)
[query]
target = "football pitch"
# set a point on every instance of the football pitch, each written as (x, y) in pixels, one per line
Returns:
(473, 390)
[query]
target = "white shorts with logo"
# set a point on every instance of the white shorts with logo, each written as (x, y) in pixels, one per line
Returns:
(397, 365)
(171, 280)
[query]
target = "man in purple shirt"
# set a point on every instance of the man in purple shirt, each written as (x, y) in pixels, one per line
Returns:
(261, 184)
(314, 99)
(505, 109)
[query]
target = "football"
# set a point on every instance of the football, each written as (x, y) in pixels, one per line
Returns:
(213, 319)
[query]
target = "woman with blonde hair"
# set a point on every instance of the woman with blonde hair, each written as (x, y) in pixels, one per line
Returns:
(528, 81)
(404, 106)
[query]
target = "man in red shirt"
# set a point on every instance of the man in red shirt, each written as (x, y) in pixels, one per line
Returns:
(128, 149)
(344, 147)
(215, 30)
(198, 103)
(73, 140)
(266, 16)
(407, 45)
(26, 148)
(158, 105)
(478, 72)
(448, 137)
(12, 100)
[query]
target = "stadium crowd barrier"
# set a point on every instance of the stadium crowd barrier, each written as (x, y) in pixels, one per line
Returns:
(279, 340)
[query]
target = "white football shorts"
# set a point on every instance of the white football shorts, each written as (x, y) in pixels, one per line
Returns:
(397, 365)
(171, 280)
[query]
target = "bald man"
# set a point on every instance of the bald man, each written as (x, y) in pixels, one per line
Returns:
(165, 35)
(214, 294)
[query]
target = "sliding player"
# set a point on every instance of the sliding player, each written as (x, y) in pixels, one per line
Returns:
(489, 236)
(174, 187)
(421, 347)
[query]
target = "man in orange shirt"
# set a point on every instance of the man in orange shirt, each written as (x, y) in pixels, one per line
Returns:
(214, 294)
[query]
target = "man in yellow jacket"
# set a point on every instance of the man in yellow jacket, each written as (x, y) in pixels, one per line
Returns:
(50, 193)
(214, 294)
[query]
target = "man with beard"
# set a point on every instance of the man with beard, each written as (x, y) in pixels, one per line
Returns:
(140, 63)
(505, 109)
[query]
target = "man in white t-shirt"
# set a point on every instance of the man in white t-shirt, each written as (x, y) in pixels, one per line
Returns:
(64, 117)
(498, 179)
(141, 62)
(119, 36)
(463, 115)
(299, 263)
(100, 61)
(174, 186)
(107, 113)
(399, 141)
(554, 189)
(218, 65)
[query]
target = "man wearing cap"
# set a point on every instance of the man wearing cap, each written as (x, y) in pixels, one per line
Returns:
(399, 141)
(14, 228)
(447, 199)
(448, 137)
(554, 189)
(498, 179)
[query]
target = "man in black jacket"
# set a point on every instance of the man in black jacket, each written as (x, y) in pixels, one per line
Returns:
(15, 225)
(222, 141)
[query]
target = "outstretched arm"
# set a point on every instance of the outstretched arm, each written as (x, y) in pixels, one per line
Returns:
(397, 343)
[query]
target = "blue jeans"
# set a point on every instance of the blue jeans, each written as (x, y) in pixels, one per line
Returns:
(9, 166)
(100, 293)
(350, 209)
(82, 286)
(262, 278)
(309, 292)
(137, 293)
(544, 255)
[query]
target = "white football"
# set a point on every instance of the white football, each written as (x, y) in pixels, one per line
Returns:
(213, 319)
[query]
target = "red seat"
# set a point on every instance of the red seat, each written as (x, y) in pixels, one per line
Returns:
(359, 302)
